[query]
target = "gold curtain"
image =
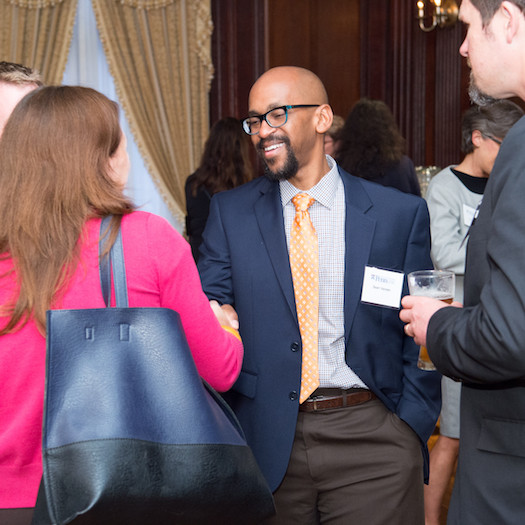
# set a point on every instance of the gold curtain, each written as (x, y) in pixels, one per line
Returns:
(37, 34)
(159, 53)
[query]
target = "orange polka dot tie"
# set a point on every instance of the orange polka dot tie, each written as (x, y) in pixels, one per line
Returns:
(304, 261)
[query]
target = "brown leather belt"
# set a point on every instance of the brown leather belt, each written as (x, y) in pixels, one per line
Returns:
(324, 399)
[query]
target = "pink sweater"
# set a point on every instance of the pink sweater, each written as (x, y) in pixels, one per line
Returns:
(160, 273)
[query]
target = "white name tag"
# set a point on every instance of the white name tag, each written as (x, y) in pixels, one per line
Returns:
(468, 215)
(382, 287)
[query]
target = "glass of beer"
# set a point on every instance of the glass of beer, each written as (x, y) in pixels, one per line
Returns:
(438, 284)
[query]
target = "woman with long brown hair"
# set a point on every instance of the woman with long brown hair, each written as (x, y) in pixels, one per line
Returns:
(63, 167)
(225, 164)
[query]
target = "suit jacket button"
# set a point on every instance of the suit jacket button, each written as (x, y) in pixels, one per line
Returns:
(293, 395)
(294, 347)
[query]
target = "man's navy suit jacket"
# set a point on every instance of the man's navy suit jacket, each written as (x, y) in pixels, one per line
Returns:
(245, 263)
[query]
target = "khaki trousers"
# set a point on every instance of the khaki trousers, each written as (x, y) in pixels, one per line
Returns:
(16, 516)
(356, 465)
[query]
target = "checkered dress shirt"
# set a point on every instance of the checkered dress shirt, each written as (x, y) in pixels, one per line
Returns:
(328, 217)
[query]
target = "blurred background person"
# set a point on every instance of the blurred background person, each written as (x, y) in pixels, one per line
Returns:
(371, 147)
(453, 197)
(16, 81)
(225, 164)
(331, 137)
(63, 167)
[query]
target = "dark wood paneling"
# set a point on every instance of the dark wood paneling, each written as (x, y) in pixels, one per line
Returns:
(419, 75)
(358, 48)
(322, 36)
(375, 42)
(337, 58)
(290, 35)
(238, 54)
(447, 90)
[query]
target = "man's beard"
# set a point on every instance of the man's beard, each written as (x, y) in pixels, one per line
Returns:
(291, 164)
(476, 95)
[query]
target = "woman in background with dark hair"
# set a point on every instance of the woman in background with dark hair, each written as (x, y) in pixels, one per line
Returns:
(371, 147)
(225, 164)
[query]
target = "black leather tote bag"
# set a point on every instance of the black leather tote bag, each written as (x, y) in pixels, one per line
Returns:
(131, 435)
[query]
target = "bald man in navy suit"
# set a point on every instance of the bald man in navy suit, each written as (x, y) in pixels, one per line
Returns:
(355, 450)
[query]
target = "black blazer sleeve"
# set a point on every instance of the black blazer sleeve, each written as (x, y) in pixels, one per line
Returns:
(485, 342)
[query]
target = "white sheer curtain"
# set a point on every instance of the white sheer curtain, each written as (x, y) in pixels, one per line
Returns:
(87, 66)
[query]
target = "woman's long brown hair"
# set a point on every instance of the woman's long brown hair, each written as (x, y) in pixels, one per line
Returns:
(225, 162)
(54, 175)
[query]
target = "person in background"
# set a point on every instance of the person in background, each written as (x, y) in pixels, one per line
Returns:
(331, 137)
(225, 164)
(453, 197)
(330, 398)
(372, 147)
(483, 344)
(15, 82)
(63, 167)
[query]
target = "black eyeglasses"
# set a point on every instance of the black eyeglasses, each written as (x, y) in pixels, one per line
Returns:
(275, 118)
(497, 141)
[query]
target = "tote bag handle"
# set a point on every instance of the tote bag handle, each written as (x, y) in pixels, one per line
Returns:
(115, 260)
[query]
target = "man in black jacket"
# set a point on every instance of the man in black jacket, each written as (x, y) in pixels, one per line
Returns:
(483, 344)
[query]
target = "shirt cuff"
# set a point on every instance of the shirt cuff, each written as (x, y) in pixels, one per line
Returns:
(232, 331)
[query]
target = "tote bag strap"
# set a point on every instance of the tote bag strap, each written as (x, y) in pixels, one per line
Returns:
(115, 259)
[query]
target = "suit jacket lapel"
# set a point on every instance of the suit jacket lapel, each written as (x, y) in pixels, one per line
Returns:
(359, 231)
(269, 214)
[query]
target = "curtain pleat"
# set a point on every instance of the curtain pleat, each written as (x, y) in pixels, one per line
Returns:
(37, 34)
(159, 53)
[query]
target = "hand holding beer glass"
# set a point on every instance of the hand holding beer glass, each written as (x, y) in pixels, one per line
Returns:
(438, 284)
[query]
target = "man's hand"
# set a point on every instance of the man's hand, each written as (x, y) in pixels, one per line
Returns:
(232, 315)
(417, 312)
(226, 314)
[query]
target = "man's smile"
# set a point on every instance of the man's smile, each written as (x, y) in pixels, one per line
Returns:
(273, 149)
